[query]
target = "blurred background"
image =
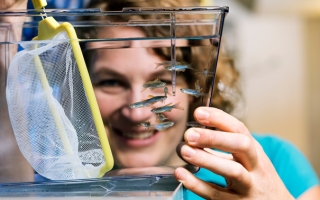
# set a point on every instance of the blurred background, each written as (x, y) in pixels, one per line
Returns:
(276, 47)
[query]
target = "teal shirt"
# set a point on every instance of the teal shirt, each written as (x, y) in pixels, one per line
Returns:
(293, 168)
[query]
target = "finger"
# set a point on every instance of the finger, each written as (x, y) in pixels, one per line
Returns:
(242, 147)
(238, 177)
(206, 138)
(200, 187)
(213, 117)
(211, 151)
(219, 154)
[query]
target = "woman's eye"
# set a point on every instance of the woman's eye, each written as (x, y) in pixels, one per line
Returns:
(112, 86)
(109, 83)
(167, 81)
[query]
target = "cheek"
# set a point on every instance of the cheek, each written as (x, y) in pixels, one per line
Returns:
(106, 108)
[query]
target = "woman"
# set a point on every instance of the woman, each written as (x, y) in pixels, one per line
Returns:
(118, 76)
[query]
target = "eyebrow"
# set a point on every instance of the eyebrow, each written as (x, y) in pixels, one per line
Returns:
(104, 71)
(106, 45)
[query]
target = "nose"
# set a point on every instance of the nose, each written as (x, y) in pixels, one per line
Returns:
(136, 115)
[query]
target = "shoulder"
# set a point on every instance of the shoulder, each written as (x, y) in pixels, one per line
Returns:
(279, 150)
(292, 166)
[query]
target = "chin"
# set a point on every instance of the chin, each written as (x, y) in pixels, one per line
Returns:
(135, 164)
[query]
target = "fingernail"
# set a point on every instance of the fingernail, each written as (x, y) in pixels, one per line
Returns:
(187, 151)
(192, 136)
(202, 114)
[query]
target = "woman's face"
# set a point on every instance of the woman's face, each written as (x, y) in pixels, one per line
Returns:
(118, 76)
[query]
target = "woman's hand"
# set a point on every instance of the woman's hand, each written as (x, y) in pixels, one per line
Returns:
(248, 171)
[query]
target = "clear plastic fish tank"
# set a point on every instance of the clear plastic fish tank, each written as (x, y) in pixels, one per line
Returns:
(155, 65)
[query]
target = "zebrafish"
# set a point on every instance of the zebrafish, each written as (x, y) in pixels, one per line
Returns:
(161, 117)
(145, 124)
(155, 99)
(167, 108)
(153, 84)
(179, 67)
(194, 92)
(205, 73)
(140, 104)
(195, 124)
(152, 100)
(166, 64)
(166, 91)
(159, 127)
(163, 125)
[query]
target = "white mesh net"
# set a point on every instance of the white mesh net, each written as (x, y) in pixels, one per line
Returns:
(53, 125)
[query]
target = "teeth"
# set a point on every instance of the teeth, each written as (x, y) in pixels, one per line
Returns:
(138, 135)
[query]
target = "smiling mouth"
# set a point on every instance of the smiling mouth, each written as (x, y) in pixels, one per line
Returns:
(135, 135)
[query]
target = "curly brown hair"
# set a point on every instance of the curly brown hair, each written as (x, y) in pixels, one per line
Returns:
(227, 76)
